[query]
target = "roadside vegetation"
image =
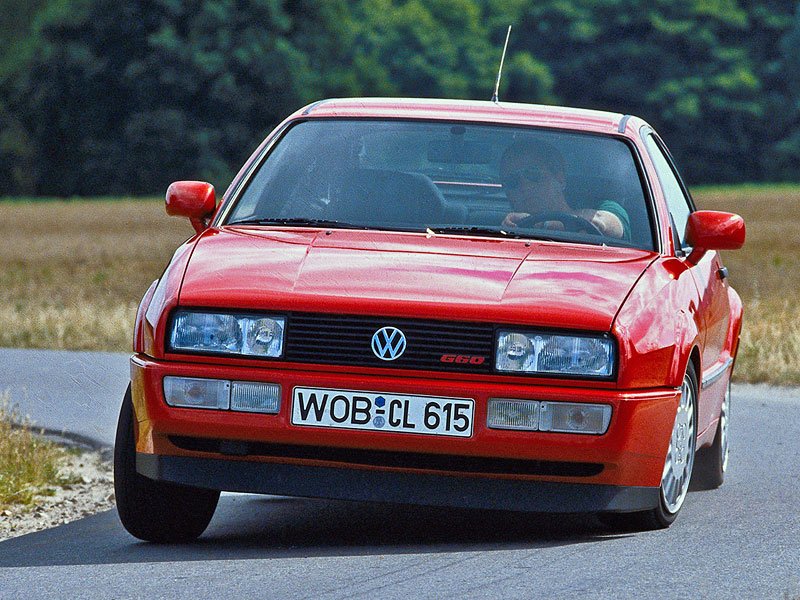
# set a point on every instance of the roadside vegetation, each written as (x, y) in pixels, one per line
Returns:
(30, 466)
(74, 271)
(160, 88)
(764, 273)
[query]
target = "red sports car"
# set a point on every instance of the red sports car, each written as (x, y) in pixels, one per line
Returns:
(459, 303)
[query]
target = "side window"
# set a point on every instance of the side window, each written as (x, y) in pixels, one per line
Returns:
(677, 202)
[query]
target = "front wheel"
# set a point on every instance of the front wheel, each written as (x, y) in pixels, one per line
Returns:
(678, 465)
(155, 511)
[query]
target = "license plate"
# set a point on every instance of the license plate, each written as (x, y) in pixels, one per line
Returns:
(376, 411)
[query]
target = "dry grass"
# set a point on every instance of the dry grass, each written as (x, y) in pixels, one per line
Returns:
(29, 465)
(73, 272)
(765, 273)
(770, 344)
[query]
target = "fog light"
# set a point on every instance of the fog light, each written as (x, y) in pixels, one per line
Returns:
(256, 397)
(513, 414)
(568, 417)
(193, 392)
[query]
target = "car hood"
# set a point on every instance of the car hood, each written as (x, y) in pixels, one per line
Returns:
(545, 284)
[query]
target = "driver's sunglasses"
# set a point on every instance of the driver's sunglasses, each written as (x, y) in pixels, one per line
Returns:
(511, 181)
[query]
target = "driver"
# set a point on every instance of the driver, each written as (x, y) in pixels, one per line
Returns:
(532, 174)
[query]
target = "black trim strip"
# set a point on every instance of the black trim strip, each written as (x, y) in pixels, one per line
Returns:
(717, 373)
(396, 487)
(655, 223)
(384, 458)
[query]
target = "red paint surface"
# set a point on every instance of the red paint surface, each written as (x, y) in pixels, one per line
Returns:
(632, 451)
(195, 200)
(714, 230)
(663, 310)
(386, 273)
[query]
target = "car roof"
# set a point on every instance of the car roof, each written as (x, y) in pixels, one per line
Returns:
(469, 111)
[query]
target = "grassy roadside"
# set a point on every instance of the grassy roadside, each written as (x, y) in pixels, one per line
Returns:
(764, 273)
(74, 271)
(29, 465)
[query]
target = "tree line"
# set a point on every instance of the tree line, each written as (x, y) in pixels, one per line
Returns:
(108, 97)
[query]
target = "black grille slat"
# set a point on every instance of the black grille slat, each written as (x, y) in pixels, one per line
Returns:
(411, 325)
(417, 348)
(358, 330)
(436, 346)
(384, 458)
(347, 340)
(368, 331)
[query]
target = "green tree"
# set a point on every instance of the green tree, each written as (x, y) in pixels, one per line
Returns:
(101, 96)
(16, 26)
(433, 49)
(125, 97)
(695, 69)
(783, 101)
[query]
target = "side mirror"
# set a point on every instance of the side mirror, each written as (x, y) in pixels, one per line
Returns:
(195, 200)
(713, 230)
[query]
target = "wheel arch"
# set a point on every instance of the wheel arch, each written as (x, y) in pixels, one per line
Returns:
(694, 358)
(687, 348)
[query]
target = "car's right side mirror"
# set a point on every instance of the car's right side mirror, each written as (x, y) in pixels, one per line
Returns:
(195, 200)
(713, 230)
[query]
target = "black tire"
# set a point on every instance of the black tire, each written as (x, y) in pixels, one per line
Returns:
(155, 511)
(661, 516)
(711, 463)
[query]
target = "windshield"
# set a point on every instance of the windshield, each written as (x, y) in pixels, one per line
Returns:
(471, 179)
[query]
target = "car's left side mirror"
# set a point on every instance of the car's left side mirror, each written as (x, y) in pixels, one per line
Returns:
(195, 200)
(713, 230)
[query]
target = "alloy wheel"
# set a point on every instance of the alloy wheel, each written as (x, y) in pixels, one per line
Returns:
(680, 456)
(724, 419)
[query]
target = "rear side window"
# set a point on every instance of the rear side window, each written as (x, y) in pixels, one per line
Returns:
(678, 203)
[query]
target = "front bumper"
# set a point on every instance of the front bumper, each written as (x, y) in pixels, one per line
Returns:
(620, 470)
(395, 487)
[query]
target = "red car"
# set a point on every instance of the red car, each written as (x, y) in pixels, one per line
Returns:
(458, 303)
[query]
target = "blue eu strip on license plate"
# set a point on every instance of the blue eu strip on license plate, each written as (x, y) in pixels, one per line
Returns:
(376, 411)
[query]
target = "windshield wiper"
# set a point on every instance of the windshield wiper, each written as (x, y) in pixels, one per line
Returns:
(300, 222)
(493, 231)
(490, 231)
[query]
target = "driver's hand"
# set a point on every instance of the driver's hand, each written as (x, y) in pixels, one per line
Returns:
(607, 223)
(512, 219)
(558, 225)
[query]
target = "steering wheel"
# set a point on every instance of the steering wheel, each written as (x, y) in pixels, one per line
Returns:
(570, 222)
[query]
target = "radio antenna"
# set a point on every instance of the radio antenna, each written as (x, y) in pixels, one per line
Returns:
(500, 70)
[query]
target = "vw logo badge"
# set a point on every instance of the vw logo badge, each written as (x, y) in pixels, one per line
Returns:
(388, 343)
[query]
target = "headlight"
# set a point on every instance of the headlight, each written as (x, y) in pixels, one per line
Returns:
(227, 334)
(568, 355)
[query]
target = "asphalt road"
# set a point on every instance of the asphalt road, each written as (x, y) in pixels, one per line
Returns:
(75, 393)
(739, 541)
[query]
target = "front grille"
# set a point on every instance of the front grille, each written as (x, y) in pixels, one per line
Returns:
(347, 340)
(383, 458)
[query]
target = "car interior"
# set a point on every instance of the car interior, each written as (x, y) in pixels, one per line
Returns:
(421, 180)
